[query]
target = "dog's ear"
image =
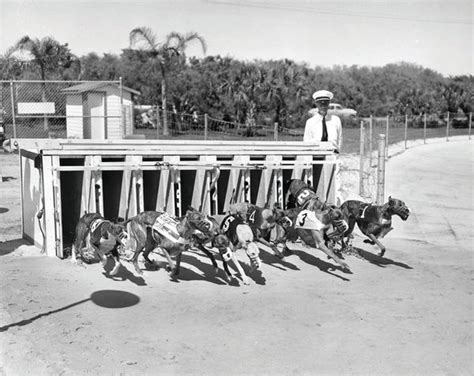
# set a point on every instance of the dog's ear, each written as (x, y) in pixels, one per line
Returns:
(391, 201)
(190, 208)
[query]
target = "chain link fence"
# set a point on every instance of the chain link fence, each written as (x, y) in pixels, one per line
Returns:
(64, 109)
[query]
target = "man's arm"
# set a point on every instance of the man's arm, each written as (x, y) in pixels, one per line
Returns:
(308, 133)
(339, 136)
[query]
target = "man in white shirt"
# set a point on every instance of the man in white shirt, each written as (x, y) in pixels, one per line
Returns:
(325, 127)
(321, 126)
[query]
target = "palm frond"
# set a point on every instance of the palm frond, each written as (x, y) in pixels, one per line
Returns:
(181, 41)
(143, 37)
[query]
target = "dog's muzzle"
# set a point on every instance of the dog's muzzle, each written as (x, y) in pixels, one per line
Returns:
(285, 222)
(340, 226)
(204, 225)
(403, 212)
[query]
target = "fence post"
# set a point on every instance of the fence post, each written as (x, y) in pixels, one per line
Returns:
(470, 124)
(447, 127)
(370, 140)
(275, 131)
(122, 119)
(12, 94)
(205, 126)
(158, 122)
(381, 170)
(362, 157)
(406, 130)
(424, 128)
(386, 136)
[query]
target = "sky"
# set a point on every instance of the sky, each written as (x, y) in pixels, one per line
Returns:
(434, 34)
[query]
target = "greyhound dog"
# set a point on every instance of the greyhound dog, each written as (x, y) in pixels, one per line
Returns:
(155, 229)
(241, 237)
(312, 227)
(215, 238)
(301, 195)
(260, 220)
(374, 221)
(98, 228)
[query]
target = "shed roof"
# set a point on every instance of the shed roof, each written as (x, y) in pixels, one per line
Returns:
(90, 86)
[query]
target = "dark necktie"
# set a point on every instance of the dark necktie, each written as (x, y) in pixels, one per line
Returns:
(325, 130)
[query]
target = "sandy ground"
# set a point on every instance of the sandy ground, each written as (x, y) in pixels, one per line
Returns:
(409, 313)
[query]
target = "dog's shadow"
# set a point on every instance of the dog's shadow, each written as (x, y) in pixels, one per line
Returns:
(380, 261)
(209, 274)
(123, 274)
(324, 266)
(255, 275)
(272, 260)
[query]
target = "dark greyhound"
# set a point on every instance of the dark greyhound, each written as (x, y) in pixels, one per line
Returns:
(374, 221)
(91, 229)
(215, 238)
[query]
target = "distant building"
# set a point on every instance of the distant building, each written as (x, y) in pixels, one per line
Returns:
(93, 111)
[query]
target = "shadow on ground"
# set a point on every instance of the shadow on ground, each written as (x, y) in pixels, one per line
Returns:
(379, 260)
(102, 298)
(11, 245)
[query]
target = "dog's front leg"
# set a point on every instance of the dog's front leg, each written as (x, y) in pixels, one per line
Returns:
(171, 265)
(177, 267)
(210, 256)
(226, 255)
(116, 257)
(102, 255)
(380, 245)
(245, 278)
(385, 231)
(272, 246)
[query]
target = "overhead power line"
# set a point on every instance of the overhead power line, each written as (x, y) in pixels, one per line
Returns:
(305, 9)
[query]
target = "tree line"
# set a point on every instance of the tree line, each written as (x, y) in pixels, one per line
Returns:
(230, 89)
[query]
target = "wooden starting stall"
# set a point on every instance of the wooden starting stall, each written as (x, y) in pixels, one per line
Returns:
(62, 179)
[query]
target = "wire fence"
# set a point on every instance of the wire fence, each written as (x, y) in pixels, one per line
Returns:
(398, 130)
(150, 122)
(64, 109)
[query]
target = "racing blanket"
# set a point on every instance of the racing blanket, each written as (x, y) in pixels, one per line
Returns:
(167, 226)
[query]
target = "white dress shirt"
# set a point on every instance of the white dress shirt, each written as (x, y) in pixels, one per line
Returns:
(313, 130)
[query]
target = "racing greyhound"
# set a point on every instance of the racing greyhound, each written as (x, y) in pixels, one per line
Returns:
(214, 238)
(98, 228)
(157, 229)
(312, 227)
(374, 221)
(260, 220)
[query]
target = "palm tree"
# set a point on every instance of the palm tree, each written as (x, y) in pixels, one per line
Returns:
(165, 54)
(47, 54)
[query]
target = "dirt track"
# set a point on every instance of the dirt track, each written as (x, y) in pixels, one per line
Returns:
(408, 313)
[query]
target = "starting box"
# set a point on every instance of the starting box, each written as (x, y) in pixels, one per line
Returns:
(61, 179)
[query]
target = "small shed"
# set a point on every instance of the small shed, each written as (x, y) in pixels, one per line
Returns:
(94, 110)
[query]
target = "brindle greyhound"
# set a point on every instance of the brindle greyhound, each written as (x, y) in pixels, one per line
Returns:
(98, 228)
(154, 229)
(374, 221)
